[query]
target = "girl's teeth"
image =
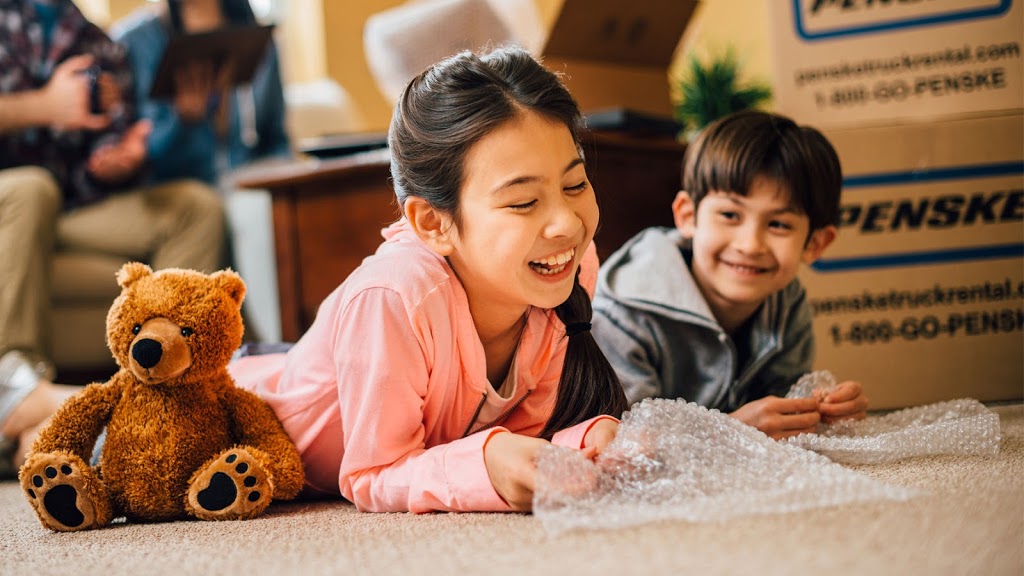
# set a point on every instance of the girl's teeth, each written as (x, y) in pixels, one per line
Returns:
(558, 259)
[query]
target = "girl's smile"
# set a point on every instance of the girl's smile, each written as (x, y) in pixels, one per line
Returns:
(555, 264)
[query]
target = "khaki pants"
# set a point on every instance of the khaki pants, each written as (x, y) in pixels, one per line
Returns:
(177, 224)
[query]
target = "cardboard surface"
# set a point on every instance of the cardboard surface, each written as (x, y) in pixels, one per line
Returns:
(921, 297)
(848, 63)
(616, 54)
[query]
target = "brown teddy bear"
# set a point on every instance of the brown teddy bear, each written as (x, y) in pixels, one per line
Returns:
(181, 439)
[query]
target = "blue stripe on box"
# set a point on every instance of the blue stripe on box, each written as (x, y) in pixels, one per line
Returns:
(919, 258)
(944, 18)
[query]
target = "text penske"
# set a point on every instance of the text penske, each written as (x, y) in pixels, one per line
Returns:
(906, 63)
(858, 5)
(902, 89)
(941, 212)
(937, 295)
(928, 327)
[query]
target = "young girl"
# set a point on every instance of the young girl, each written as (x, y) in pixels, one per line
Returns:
(434, 374)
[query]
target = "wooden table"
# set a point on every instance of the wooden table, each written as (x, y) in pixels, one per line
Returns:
(328, 214)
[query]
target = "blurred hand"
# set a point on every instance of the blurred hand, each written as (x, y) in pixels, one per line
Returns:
(511, 461)
(119, 162)
(194, 84)
(846, 402)
(780, 417)
(599, 436)
(66, 97)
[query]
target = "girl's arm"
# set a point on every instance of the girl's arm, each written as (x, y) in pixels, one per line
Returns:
(382, 355)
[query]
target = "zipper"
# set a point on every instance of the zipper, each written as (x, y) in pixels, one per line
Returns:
(501, 417)
(472, 420)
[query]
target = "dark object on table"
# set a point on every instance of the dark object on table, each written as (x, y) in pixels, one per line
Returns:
(632, 122)
(241, 46)
(335, 145)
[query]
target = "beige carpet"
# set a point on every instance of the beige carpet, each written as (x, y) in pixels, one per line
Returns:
(970, 521)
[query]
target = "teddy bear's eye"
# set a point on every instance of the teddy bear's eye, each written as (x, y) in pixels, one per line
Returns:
(137, 328)
(186, 332)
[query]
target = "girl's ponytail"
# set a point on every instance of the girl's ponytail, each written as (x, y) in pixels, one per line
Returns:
(589, 386)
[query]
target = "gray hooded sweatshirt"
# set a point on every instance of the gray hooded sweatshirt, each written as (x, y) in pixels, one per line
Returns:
(655, 327)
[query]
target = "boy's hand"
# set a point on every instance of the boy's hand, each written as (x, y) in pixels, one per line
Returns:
(600, 435)
(846, 402)
(511, 461)
(780, 417)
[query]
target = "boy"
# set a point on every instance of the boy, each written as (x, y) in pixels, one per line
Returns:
(711, 311)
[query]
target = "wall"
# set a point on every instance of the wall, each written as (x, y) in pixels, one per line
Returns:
(346, 63)
(321, 38)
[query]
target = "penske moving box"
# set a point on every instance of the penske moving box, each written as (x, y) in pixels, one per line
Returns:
(851, 62)
(616, 54)
(921, 297)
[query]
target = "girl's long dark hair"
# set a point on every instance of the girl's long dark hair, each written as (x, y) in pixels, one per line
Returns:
(441, 114)
(589, 386)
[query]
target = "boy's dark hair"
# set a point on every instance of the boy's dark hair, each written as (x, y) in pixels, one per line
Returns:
(731, 151)
(441, 114)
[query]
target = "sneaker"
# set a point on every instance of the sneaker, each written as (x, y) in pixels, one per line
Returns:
(19, 376)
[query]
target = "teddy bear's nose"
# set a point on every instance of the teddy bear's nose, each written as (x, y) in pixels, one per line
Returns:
(147, 352)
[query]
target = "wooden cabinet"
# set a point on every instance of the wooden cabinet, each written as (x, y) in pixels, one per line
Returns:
(328, 214)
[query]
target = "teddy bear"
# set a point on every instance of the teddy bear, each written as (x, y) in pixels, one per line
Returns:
(181, 440)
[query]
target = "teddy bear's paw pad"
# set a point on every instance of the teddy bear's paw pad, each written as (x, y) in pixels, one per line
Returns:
(56, 491)
(233, 487)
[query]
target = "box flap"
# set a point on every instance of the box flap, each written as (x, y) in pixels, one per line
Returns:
(630, 33)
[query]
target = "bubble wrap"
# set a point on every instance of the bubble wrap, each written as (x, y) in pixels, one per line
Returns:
(818, 384)
(962, 426)
(674, 460)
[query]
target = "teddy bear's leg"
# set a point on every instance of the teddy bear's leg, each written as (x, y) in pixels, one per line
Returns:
(234, 485)
(65, 492)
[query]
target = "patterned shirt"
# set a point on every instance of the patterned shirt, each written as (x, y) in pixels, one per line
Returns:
(24, 66)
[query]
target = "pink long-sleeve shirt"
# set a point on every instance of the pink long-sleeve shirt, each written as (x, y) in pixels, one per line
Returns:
(379, 393)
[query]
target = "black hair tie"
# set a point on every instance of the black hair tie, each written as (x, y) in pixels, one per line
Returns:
(576, 328)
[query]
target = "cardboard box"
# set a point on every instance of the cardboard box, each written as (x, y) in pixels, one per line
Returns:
(921, 297)
(851, 62)
(616, 54)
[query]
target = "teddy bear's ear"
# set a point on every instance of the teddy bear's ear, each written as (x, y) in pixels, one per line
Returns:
(231, 283)
(131, 272)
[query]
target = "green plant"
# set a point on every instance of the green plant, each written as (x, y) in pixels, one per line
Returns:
(708, 92)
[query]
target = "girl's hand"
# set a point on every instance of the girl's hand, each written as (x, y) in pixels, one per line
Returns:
(193, 86)
(846, 402)
(780, 417)
(511, 461)
(600, 435)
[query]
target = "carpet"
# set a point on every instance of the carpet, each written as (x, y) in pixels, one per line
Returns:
(969, 520)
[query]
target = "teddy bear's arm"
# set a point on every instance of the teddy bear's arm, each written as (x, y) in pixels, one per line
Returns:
(79, 421)
(254, 424)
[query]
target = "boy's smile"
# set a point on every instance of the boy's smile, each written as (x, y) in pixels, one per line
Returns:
(746, 248)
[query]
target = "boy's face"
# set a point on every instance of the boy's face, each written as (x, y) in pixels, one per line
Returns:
(746, 248)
